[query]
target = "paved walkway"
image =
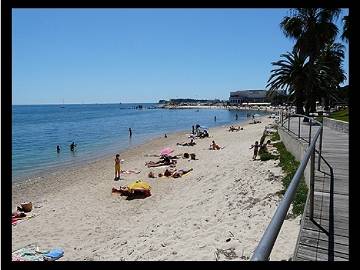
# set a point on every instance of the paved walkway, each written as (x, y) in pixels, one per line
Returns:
(326, 237)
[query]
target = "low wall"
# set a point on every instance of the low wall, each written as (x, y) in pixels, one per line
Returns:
(297, 148)
(338, 125)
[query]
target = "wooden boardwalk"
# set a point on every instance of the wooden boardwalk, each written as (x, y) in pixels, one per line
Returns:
(326, 237)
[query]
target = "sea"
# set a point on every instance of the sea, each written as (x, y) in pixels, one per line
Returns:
(98, 130)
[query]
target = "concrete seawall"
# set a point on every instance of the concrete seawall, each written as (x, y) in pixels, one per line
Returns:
(297, 148)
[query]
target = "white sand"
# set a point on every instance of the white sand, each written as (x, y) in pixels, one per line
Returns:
(226, 202)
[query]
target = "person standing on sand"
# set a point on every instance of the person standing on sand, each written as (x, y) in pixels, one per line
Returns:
(130, 132)
(256, 148)
(193, 130)
(117, 167)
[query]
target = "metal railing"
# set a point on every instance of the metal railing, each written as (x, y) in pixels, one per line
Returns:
(264, 248)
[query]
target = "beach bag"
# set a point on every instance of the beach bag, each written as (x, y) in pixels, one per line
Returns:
(26, 207)
(53, 254)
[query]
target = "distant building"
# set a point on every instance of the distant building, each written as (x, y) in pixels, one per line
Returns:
(245, 96)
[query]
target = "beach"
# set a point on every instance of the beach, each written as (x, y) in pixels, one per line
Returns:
(218, 211)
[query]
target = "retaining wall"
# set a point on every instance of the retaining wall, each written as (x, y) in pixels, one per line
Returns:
(297, 148)
(338, 125)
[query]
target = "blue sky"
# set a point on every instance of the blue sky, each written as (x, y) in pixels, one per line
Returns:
(143, 55)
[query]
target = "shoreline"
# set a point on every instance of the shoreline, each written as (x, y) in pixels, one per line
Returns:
(188, 218)
(53, 169)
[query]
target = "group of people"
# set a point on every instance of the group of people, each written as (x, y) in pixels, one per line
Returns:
(258, 147)
(72, 147)
(233, 128)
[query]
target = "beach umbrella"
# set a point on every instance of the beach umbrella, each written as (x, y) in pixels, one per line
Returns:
(166, 151)
(139, 185)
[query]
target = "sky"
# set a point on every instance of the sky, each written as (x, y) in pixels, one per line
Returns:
(143, 55)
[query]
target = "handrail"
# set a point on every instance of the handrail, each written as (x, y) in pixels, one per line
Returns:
(264, 248)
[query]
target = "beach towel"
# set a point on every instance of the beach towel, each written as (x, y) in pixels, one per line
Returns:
(54, 254)
(16, 220)
(139, 185)
(27, 253)
(166, 151)
(130, 171)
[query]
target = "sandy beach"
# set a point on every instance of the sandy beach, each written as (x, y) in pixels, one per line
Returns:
(222, 207)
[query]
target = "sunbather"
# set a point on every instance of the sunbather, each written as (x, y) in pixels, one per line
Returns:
(214, 146)
(165, 161)
(191, 143)
(180, 173)
(125, 191)
(175, 173)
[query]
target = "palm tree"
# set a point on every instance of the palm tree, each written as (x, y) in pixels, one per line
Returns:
(302, 80)
(345, 34)
(332, 57)
(311, 28)
(289, 76)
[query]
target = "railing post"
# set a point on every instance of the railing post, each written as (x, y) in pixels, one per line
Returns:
(310, 130)
(312, 183)
(299, 128)
(320, 146)
(288, 122)
(282, 118)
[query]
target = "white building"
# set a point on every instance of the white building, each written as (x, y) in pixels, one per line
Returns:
(246, 96)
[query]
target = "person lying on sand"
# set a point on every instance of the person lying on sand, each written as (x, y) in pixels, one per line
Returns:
(214, 146)
(191, 143)
(255, 122)
(165, 161)
(125, 191)
(175, 173)
(232, 128)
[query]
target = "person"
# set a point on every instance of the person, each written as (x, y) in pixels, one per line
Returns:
(117, 167)
(180, 173)
(165, 135)
(191, 143)
(236, 117)
(214, 146)
(256, 148)
(125, 191)
(130, 132)
(215, 118)
(72, 146)
(58, 148)
(193, 130)
(165, 161)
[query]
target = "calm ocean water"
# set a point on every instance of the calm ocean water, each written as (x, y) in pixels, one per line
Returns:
(97, 129)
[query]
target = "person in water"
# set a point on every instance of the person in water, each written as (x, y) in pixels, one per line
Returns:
(130, 132)
(58, 148)
(72, 146)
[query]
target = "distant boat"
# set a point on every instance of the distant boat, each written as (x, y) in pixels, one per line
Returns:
(62, 105)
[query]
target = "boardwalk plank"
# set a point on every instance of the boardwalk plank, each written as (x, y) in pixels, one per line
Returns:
(313, 241)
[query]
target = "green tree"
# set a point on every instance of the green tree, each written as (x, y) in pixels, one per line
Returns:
(289, 76)
(312, 29)
(314, 32)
